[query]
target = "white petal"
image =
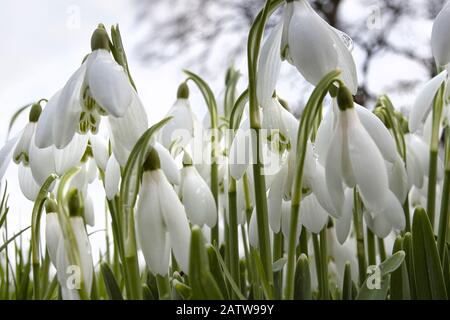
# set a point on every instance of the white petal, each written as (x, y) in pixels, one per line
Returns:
(393, 212)
(343, 224)
(168, 164)
(269, 65)
(312, 215)
(440, 42)
(320, 190)
(44, 128)
(367, 164)
(275, 198)
(324, 132)
(89, 214)
(414, 170)
(378, 225)
(378, 132)
(67, 113)
(112, 178)
(53, 235)
(240, 151)
(287, 16)
(398, 179)
(424, 100)
(29, 187)
(180, 128)
(42, 162)
(346, 63)
(129, 128)
(71, 155)
(152, 234)
(333, 170)
(6, 153)
(311, 43)
(253, 231)
(84, 249)
(197, 199)
(176, 221)
(109, 84)
(99, 150)
(21, 152)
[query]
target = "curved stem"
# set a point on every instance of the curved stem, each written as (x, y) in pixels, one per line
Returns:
(444, 215)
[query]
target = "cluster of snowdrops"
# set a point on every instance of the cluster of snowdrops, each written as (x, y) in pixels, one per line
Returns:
(311, 225)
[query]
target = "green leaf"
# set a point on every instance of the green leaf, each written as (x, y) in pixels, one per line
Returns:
(376, 285)
(302, 289)
(201, 280)
(7, 242)
(216, 270)
(112, 287)
(227, 274)
(238, 110)
(147, 292)
(279, 264)
(118, 51)
(399, 288)
(183, 290)
(430, 279)
(408, 248)
(347, 282)
(262, 275)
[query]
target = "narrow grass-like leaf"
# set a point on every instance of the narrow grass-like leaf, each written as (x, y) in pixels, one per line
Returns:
(429, 276)
(302, 289)
(111, 284)
(7, 242)
(399, 288)
(347, 282)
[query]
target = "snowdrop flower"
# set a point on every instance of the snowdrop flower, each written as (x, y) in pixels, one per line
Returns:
(424, 101)
(315, 47)
(76, 211)
(161, 220)
(53, 233)
(440, 42)
(100, 87)
(197, 198)
(354, 160)
(178, 132)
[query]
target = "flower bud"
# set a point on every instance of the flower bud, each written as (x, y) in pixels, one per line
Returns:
(51, 206)
(75, 203)
(100, 39)
(344, 98)
(152, 162)
(35, 112)
(183, 91)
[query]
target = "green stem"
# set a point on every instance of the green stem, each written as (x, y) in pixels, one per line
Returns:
(324, 264)
(215, 192)
(163, 287)
(357, 220)
(434, 147)
(444, 214)
(304, 241)
(371, 247)
(278, 254)
(381, 249)
(233, 233)
(318, 261)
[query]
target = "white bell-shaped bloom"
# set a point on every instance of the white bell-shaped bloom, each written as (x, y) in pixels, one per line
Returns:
(424, 101)
(99, 87)
(178, 132)
(46, 161)
(269, 65)
(53, 235)
(126, 130)
(197, 198)
(168, 164)
(112, 177)
(99, 150)
(440, 42)
(354, 160)
(65, 270)
(161, 221)
(315, 47)
(28, 185)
